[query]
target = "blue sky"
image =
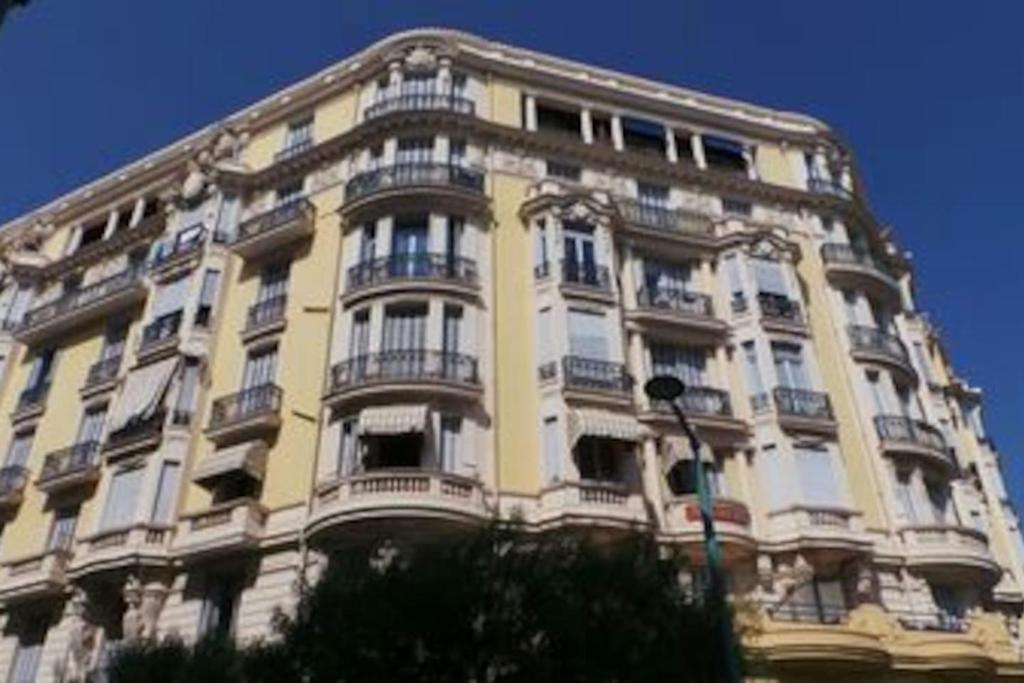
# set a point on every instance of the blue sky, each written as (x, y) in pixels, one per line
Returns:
(930, 96)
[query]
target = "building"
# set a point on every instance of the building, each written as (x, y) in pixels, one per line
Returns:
(426, 286)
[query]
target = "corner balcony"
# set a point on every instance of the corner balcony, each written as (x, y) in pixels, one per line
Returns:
(417, 498)
(780, 313)
(136, 436)
(249, 412)
(851, 268)
(160, 337)
(420, 102)
(658, 222)
(13, 479)
(36, 576)
(804, 410)
(950, 551)
(96, 302)
(828, 530)
(590, 504)
(422, 185)
(587, 280)
(102, 376)
(76, 466)
(871, 345)
(141, 545)
(270, 231)
(903, 436)
(265, 317)
(706, 408)
(591, 379)
(31, 402)
(684, 524)
(405, 372)
(687, 313)
(443, 273)
(223, 528)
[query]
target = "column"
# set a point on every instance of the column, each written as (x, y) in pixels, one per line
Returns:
(140, 206)
(670, 146)
(629, 285)
(652, 479)
(638, 367)
(530, 102)
(112, 219)
(394, 77)
(697, 147)
(617, 141)
(748, 156)
(586, 126)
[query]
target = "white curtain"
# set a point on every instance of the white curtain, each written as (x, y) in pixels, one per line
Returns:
(751, 369)
(166, 492)
(121, 498)
(227, 220)
(143, 393)
(405, 329)
(170, 297)
(769, 276)
(774, 479)
(789, 365)
(415, 150)
(260, 368)
(818, 477)
(587, 335)
(686, 363)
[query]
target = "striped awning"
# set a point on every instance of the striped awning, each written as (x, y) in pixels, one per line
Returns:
(395, 419)
(675, 449)
(248, 457)
(605, 424)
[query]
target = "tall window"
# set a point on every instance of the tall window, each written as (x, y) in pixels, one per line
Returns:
(923, 362)
(789, 365)
(456, 232)
(904, 491)
(879, 393)
(217, 618)
(28, 651)
(62, 529)
(774, 480)
(260, 367)
(184, 403)
(227, 220)
(166, 492)
(90, 430)
(938, 499)
(654, 196)
(409, 246)
(368, 242)
(452, 332)
(819, 476)
(359, 345)
(552, 450)
(579, 244)
(19, 304)
(770, 277)
(405, 327)
(660, 276)
(687, 363)
(19, 449)
(42, 370)
(588, 337)
(732, 273)
(752, 369)
(419, 83)
(170, 298)
(415, 151)
(457, 153)
(286, 194)
(273, 282)
(450, 442)
(540, 248)
(599, 459)
(122, 497)
(114, 341)
(207, 297)
(299, 134)
(348, 448)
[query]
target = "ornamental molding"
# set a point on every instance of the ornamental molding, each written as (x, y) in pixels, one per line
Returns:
(567, 204)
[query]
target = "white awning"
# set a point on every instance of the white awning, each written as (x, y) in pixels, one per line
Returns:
(603, 423)
(396, 419)
(249, 457)
(142, 393)
(675, 449)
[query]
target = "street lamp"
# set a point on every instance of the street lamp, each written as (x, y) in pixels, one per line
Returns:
(668, 388)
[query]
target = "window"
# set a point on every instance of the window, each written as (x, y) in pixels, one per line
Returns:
(684, 146)
(19, 449)
(119, 510)
(299, 135)
(552, 118)
(347, 449)
(878, 392)
(769, 277)
(455, 237)
(415, 151)
(587, 335)
(601, 125)
(938, 498)
(540, 248)
(405, 327)
(170, 297)
(904, 492)
(286, 194)
(19, 304)
(457, 153)
(207, 297)
(91, 234)
(737, 207)
(645, 137)
(419, 83)
(545, 336)
(923, 362)
(773, 478)
(227, 220)
(682, 480)
(90, 430)
(820, 600)
(665, 279)
(752, 369)
(724, 154)
(191, 217)
(409, 246)
(580, 261)
(273, 282)
(383, 87)
(655, 196)
(62, 529)
(114, 341)
(452, 329)
(950, 601)
(184, 403)
(552, 450)
(789, 365)
(42, 369)
(563, 171)
(818, 475)
(732, 274)
(217, 618)
(260, 368)
(687, 363)
(359, 344)
(599, 460)
(449, 446)
(166, 492)
(28, 651)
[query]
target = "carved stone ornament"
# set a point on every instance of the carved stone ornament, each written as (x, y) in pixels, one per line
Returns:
(567, 204)
(194, 183)
(132, 624)
(83, 642)
(421, 58)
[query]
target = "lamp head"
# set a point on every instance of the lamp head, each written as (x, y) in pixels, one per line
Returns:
(664, 388)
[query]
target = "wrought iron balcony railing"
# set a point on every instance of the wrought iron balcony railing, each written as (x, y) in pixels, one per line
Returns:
(407, 365)
(666, 219)
(80, 298)
(874, 340)
(163, 328)
(295, 210)
(414, 174)
(12, 479)
(807, 612)
(71, 460)
(420, 102)
(779, 307)
(705, 401)
(294, 149)
(266, 312)
(803, 403)
(850, 255)
(675, 299)
(827, 186)
(135, 432)
(103, 370)
(179, 250)
(33, 397)
(408, 266)
(586, 274)
(258, 400)
(908, 430)
(592, 374)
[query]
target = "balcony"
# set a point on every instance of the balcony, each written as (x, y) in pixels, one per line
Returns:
(82, 306)
(445, 272)
(828, 187)
(949, 551)
(402, 372)
(588, 376)
(160, 337)
(36, 576)
(265, 317)
(781, 313)
(270, 231)
(250, 411)
(683, 524)
(707, 408)
(443, 185)
(71, 467)
(871, 345)
(102, 375)
(804, 410)
(420, 102)
(825, 529)
(899, 435)
(851, 268)
(224, 528)
(142, 545)
(12, 486)
(31, 402)
(136, 436)
(663, 222)
(386, 496)
(690, 313)
(590, 504)
(586, 279)
(293, 150)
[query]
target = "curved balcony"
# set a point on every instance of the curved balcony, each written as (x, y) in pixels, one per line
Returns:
(430, 185)
(408, 497)
(851, 268)
(683, 524)
(706, 408)
(265, 317)
(224, 528)
(13, 479)
(404, 372)
(141, 545)
(82, 306)
(899, 435)
(266, 233)
(829, 531)
(35, 576)
(74, 466)
(420, 102)
(588, 378)
(804, 410)
(689, 313)
(590, 504)
(255, 410)
(446, 273)
(871, 345)
(658, 222)
(950, 552)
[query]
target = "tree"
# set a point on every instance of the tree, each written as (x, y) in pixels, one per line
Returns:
(501, 606)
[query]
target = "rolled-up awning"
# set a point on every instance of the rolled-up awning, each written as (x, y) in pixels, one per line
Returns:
(675, 449)
(143, 393)
(603, 423)
(249, 458)
(396, 419)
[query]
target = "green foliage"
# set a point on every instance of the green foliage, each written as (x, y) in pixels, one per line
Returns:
(500, 606)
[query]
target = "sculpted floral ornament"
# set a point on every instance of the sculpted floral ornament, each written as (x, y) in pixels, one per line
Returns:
(83, 640)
